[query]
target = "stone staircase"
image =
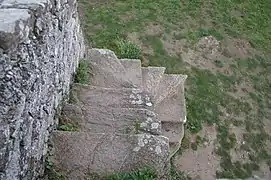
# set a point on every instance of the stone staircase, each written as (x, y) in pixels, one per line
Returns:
(129, 117)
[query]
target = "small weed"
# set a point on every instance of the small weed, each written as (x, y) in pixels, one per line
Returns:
(82, 73)
(176, 175)
(51, 173)
(185, 142)
(142, 174)
(67, 127)
(219, 64)
(194, 146)
(137, 126)
(126, 49)
(73, 97)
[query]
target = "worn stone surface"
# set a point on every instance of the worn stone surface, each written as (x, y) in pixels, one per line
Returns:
(96, 119)
(173, 107)
(133, 71)
(151, 79)
(112, 97)
(107, 70)
(40, 45)
(77, 154)
(168, 86)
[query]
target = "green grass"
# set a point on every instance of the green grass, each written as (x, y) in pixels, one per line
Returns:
(146, 173)
(82, 72)
(126, 49)
(67, 127)
(207, 94)
(142, 174)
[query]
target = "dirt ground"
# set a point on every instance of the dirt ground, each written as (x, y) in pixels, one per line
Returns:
(202, 164)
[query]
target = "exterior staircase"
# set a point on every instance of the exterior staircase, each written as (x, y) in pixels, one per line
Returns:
(128, 116)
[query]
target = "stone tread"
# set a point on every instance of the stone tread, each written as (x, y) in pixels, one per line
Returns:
(107, 70)
(112, 97)
(169, 85)
(95, 119)
(133, 71)
(76, 154)
(173, 130)
(151, 77)
(172, 108)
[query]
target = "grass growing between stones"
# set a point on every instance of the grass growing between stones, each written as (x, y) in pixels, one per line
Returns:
(67, 127)
(234, 94)
(82, 73)
(146, 173)
(50, 171)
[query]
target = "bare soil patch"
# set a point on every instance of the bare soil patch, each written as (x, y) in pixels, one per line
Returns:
(154, 29)
(202, 163)
(237, 48)
(174, 47)
(135, 38)
(207, 54)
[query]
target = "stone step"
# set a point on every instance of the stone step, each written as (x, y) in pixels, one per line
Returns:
(151, 77)
(174, 132)
(106, 69)
(173, 107)
(79, 154)
(111, 97)
(133, 71)
(96, 119)
(169, 85)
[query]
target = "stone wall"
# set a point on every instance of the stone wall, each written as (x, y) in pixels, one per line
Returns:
(40, 45)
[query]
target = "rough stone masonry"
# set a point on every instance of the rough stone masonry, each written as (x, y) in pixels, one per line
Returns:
(40, 45)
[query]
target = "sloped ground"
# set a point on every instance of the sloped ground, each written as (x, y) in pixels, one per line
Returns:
(224, 47)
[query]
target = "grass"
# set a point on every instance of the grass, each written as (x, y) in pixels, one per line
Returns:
(146, 173)
(67, 127)
(51, 173)
(82, 73)
(126, 49)
(209, 95)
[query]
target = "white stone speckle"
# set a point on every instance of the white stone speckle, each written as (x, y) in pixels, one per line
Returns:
(148, 136)
(139, 101)
(151, 148)
(136, 149)
(140, 141)
(154, 125)
(149, 104)
(132, 96)
(142, 125)
(146, 141)
(149, 119)
(158, 149)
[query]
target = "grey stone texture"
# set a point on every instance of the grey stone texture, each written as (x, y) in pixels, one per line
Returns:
(78, 154)
(40, 45)
(128, 117)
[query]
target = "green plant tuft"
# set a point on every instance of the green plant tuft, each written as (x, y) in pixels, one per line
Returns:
(51, 173)
(126, 49)
(82, 73)
(142, 174)
(67, 127)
